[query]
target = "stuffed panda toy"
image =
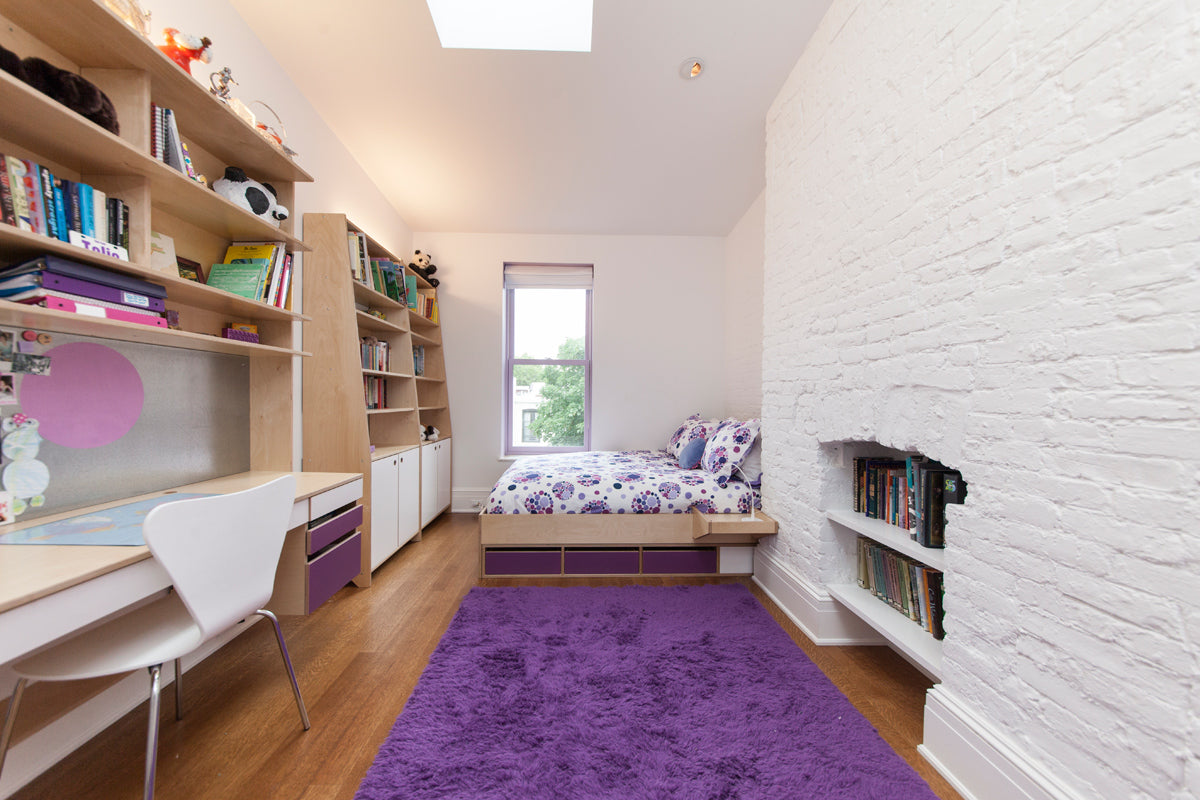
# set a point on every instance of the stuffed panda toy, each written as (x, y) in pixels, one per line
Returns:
(259, 199)
(421, 263)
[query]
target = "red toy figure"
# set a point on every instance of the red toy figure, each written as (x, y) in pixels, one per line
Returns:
(183, 48)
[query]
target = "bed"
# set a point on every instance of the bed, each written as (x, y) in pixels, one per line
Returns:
(630, 512)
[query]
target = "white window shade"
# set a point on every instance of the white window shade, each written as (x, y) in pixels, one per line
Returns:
(547, 276)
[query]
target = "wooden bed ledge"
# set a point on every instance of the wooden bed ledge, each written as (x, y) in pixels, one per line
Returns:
(731, 528)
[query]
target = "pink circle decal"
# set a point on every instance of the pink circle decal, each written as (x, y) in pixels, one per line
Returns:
(92, 396)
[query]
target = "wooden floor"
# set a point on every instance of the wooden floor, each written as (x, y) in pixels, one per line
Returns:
(357, 659)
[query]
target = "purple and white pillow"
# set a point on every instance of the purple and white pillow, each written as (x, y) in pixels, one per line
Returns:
(692, 428)
(729, 446)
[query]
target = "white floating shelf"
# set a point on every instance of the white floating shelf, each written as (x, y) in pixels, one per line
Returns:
(889, 536)
(907, 637)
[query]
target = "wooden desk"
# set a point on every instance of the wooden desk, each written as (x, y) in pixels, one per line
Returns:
(48, 591)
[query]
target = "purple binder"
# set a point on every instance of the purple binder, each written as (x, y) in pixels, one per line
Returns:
(98, 291)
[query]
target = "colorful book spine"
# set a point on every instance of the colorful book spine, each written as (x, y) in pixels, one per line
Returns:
(32, 181)
(60, 211)
(86, 210)
(49, 207)
(16, 177)
(6, 202)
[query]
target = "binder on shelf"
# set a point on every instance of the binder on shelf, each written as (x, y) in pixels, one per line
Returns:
(94, 308)
(87, 272)
(32, 284)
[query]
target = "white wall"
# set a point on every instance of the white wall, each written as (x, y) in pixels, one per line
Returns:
(742, 300)
(981, 243)
(656, 332)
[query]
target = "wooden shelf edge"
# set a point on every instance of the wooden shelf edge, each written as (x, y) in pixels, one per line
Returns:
(909, 639)
(890, 536)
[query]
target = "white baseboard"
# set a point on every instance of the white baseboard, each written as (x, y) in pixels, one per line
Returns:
(55, 741)
(822, 618)
(468, 501)
(980, 762)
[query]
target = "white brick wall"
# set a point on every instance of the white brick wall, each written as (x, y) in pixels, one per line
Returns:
(982, 243)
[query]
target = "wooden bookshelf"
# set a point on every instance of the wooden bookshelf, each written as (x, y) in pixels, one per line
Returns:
(83, 36)
(339, 429)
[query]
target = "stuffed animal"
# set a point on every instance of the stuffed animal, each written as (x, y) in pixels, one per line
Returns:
(184, 48)
(421, 264)
(259, 199)
(430, 434)
(73, 91)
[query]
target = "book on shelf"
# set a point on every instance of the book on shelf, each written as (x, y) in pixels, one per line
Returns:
(410, 290)
(162, 253)
(375, 354)
(910, 493)
(85, 306)
(173, 145)
(278, 262)
(16, 179)
(243, 277)
(7, 212)
(49, 209)
(418, 359)
(88, 272)
(374, 392)
(360, 262)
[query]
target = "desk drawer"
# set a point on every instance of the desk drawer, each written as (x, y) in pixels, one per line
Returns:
(331, 530)
(332, 570)
(321, 504)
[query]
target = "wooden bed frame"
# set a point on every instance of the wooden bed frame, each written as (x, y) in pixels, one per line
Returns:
(730, 536)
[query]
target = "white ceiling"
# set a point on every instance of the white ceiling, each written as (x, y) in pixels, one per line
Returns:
(607, 142)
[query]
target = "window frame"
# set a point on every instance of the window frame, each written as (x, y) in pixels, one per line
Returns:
(508, 449)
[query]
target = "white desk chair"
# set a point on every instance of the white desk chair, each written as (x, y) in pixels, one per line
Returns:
(221, 553)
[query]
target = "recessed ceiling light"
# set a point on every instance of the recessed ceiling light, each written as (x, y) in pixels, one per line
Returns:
(560, 25)
(691, 69)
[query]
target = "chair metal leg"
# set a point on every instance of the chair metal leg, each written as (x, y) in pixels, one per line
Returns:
(178, 689)
(10, 719)
(152, 732)
(287, 662)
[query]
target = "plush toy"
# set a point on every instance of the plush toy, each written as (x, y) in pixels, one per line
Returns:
(184, 48)
(421, 264)
(73, 91)
(259, 199)
(430, 434)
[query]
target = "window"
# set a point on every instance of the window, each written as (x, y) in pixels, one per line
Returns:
(547, 358)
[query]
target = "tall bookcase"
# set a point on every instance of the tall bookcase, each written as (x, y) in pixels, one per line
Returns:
(892, 545)
(341, 434)
(85, 37)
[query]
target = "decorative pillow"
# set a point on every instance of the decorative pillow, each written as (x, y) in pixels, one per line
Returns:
(691, 453)
(694, 429)
(673, 442)
(728, 447)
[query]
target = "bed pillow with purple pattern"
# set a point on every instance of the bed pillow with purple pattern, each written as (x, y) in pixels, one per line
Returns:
(728, 447)
(673, 443)
(695, 429)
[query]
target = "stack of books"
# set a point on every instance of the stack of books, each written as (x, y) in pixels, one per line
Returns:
(911, 493)
(58, 283)
(904, 583)
(34, 199)
(259, 271)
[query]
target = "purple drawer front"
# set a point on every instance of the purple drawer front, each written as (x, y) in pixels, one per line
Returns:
(329, 532)
(522, 562)
(671, 562)
(333, 570)
(601, 562)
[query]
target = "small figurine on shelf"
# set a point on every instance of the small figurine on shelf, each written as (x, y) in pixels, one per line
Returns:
(184, 48)
(220, 83)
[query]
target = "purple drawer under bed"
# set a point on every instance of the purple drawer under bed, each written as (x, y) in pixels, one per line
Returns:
(522, 562)
(679, 561)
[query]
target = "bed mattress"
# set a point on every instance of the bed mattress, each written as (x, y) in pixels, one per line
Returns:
(605, 482)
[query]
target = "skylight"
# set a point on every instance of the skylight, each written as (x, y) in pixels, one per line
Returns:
(561, 25)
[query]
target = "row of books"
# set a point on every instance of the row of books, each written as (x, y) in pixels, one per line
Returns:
(419, 359)
(34, 199)
(165, 142)
(904, 583)
(374, 392)
(255, 270)
(424, 303)
(375, 354)
(910, 493)
(58, 283)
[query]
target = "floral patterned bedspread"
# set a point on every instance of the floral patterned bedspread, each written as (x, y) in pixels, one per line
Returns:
(625, 482)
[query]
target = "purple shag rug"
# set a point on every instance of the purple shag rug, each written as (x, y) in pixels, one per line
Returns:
(632, 692)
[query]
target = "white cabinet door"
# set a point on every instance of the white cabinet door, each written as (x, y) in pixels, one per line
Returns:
(443, 475)
(385, 518)
(429, 489)
(410, 495)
